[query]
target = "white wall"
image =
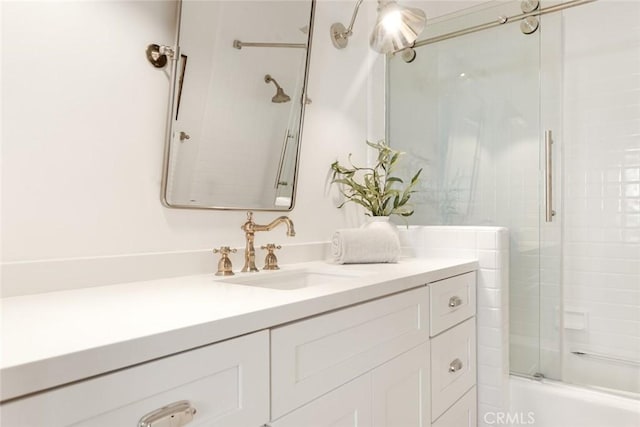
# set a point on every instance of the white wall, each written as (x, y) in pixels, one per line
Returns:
(439, 8)
(83, 133)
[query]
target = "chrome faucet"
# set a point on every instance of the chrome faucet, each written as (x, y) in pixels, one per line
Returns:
(250, 228)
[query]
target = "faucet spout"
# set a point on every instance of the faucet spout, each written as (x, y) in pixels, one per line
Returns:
(276, 222)
(250, 228)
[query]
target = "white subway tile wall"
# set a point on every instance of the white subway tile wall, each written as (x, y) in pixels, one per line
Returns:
(602, 193)
(490, 245)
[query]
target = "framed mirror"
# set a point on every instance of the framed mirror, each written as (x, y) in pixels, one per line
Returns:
(238, 94)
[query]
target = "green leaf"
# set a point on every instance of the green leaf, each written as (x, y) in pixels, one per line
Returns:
(394, 159)
(396, 201)
(415, 177)
(374, 187)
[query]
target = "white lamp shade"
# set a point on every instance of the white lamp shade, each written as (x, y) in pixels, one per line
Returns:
(396, 28)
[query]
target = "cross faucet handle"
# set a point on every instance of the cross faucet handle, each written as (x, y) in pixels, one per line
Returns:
(225, 250)
(271, 261)
(225, 268)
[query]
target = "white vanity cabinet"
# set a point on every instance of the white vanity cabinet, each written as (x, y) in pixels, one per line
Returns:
(392, 395)
(406, 359)
(347, 406)
(453, 351)
(365, 365)
(400, 388)
(312, 357)
(227, 383)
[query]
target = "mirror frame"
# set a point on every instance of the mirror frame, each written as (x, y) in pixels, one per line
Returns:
(169, 125)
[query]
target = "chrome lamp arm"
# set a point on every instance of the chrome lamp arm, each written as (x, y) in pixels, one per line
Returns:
(339, 34)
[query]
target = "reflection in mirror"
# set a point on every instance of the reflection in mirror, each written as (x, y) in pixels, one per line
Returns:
(237, 107)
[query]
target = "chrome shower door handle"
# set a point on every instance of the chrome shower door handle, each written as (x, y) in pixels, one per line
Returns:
(548, 179)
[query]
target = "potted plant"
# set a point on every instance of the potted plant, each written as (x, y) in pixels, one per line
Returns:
(376, 188)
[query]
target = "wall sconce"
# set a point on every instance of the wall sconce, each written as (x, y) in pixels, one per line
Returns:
(397, 27)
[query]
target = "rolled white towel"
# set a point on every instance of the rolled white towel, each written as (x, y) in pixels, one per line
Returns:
(283, 201)
(365, 245)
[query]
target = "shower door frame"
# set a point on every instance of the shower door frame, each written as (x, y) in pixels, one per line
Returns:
(549, 93)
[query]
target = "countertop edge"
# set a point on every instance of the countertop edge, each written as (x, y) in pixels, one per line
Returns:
(21, 380)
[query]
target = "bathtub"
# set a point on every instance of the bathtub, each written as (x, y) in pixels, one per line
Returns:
(556, 404)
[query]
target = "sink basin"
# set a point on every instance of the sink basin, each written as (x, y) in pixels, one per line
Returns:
(294, 279)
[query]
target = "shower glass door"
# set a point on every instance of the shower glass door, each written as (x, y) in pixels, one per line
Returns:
(467, 110)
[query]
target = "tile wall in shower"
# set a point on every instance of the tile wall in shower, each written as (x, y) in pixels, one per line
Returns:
(602, 194)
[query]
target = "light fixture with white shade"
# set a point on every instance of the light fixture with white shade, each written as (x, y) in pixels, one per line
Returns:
(397, 27)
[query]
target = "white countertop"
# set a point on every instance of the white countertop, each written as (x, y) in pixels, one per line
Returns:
(59, 337)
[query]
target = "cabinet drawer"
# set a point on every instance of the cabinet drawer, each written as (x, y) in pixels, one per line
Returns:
(453, 365)
(227, 383)
(463, 413)
(313, 356)
(453, 300)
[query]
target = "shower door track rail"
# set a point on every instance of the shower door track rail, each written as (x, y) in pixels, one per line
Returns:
(501, 21)
(240, 44)
(607, 358)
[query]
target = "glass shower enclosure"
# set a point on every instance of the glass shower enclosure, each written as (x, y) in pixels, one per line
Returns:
(539, 133)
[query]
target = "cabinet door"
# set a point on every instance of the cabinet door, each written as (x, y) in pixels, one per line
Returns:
(462, 414)
(401, 390)
(317, 355)
(227, 383)
(347, 406)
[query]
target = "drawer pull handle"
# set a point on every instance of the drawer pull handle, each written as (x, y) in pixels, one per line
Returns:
(455, 301)
(175, 414)
(455, 366)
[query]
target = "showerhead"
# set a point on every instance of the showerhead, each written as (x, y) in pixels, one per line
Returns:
(280, 96)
